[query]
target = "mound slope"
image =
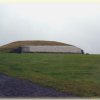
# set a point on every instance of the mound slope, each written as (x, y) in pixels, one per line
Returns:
(16, 44)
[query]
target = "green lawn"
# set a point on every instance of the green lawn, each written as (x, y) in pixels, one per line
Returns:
(78, 74)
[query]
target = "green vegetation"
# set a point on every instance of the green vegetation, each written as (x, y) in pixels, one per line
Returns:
(78, 74)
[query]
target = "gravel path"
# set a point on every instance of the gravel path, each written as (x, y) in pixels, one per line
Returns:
(13, 87)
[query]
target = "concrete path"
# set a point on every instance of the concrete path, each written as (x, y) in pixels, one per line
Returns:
(13, 87)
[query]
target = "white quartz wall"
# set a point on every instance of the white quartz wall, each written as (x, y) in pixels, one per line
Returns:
(66, 49)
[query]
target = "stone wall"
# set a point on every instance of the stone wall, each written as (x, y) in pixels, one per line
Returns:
(63, 49)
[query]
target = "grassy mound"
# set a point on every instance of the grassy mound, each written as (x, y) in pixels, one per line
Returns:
(10, 46)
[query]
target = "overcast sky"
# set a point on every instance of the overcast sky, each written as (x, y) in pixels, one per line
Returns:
(76, 24)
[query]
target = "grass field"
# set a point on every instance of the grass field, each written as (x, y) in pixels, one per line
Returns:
(78, 74)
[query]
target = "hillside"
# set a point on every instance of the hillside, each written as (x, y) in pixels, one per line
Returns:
(10, 46)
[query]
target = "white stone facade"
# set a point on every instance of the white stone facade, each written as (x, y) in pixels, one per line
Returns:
(62, 49)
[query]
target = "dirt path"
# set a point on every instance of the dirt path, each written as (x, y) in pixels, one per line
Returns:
(12, 87)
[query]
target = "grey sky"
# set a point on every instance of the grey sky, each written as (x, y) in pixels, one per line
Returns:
(76, 24)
